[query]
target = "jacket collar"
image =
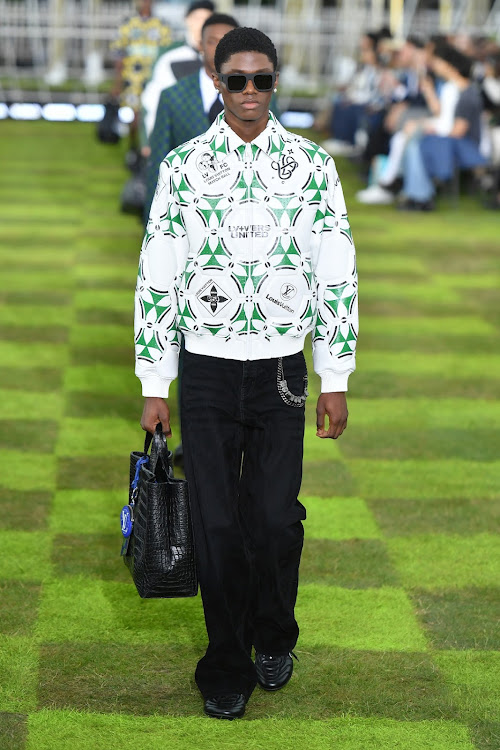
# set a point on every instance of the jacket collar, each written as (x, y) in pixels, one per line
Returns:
(271, 141)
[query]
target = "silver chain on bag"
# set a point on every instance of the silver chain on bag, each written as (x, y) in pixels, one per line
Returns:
(288, 397)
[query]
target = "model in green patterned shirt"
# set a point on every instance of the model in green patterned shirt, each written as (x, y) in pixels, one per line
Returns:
(248, 248)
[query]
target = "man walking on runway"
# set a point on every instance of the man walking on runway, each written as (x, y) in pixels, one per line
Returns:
(248, 248)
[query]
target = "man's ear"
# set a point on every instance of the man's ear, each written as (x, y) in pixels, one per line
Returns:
(215, 79)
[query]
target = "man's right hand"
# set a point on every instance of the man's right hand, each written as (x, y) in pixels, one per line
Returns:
(155, 411)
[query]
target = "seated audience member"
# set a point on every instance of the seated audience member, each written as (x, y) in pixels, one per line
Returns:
(361, 104)
(414, 99)
(490, 90)
(435, 156)
(410, 98)
(176, 62)
(433, 148)
(442, 109)
(490, 84)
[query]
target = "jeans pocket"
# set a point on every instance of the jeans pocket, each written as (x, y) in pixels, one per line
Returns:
(297, 381)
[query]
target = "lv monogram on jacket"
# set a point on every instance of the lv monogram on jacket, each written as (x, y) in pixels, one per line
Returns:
(250, 248)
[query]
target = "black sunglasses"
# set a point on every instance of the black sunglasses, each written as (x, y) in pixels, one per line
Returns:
(237, 82)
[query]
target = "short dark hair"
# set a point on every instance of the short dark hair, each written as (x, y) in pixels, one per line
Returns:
(199, 5)
(455, 58)
(416, 41)
(244, 39)
(377, 36)
(221, 18)
(462, 63)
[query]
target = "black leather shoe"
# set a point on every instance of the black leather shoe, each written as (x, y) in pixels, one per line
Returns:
(273, 671)
(226, 706)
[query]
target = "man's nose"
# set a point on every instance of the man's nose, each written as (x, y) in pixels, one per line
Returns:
(250, 88)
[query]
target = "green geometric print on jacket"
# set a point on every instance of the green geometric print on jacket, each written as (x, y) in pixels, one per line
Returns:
(248, 248)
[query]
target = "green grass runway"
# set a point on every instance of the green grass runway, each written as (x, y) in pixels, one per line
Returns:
(399, 596)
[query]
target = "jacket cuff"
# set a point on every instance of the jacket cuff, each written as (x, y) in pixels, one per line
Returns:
(334, 382)
(155, 387)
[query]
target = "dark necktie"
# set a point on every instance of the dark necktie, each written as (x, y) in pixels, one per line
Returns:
(214, 110)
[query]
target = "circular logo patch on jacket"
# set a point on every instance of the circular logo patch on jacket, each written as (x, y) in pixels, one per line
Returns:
(288, 291)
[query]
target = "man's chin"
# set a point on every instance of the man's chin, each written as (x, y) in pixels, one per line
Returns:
(250, 115)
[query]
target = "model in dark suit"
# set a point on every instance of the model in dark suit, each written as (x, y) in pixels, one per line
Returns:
(181, 115)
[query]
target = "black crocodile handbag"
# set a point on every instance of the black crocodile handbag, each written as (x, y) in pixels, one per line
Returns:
(158, 546)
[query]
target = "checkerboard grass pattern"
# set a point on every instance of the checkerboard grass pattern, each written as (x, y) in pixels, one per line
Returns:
(398, 601)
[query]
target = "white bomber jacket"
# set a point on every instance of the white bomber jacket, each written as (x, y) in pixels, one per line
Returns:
(247, 249)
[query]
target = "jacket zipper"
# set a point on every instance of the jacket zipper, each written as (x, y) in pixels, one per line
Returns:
(248, 166)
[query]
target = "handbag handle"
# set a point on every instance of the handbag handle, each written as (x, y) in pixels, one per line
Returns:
(159, 450)
(159, 438)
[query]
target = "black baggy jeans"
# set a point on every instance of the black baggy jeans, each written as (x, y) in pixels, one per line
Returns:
(243, 449)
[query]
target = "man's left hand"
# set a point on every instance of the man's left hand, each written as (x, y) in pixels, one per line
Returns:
(333, 405)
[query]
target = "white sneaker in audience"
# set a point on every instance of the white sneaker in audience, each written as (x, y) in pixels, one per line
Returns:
(376, 195)
(334, 147)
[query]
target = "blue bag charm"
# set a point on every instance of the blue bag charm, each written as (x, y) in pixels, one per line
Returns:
(127, 512)
(127, 520)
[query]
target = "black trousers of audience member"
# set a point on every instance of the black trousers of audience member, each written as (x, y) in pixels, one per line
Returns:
(378, 143)
(243, 448)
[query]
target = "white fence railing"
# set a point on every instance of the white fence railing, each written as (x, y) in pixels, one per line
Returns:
(36, 35)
